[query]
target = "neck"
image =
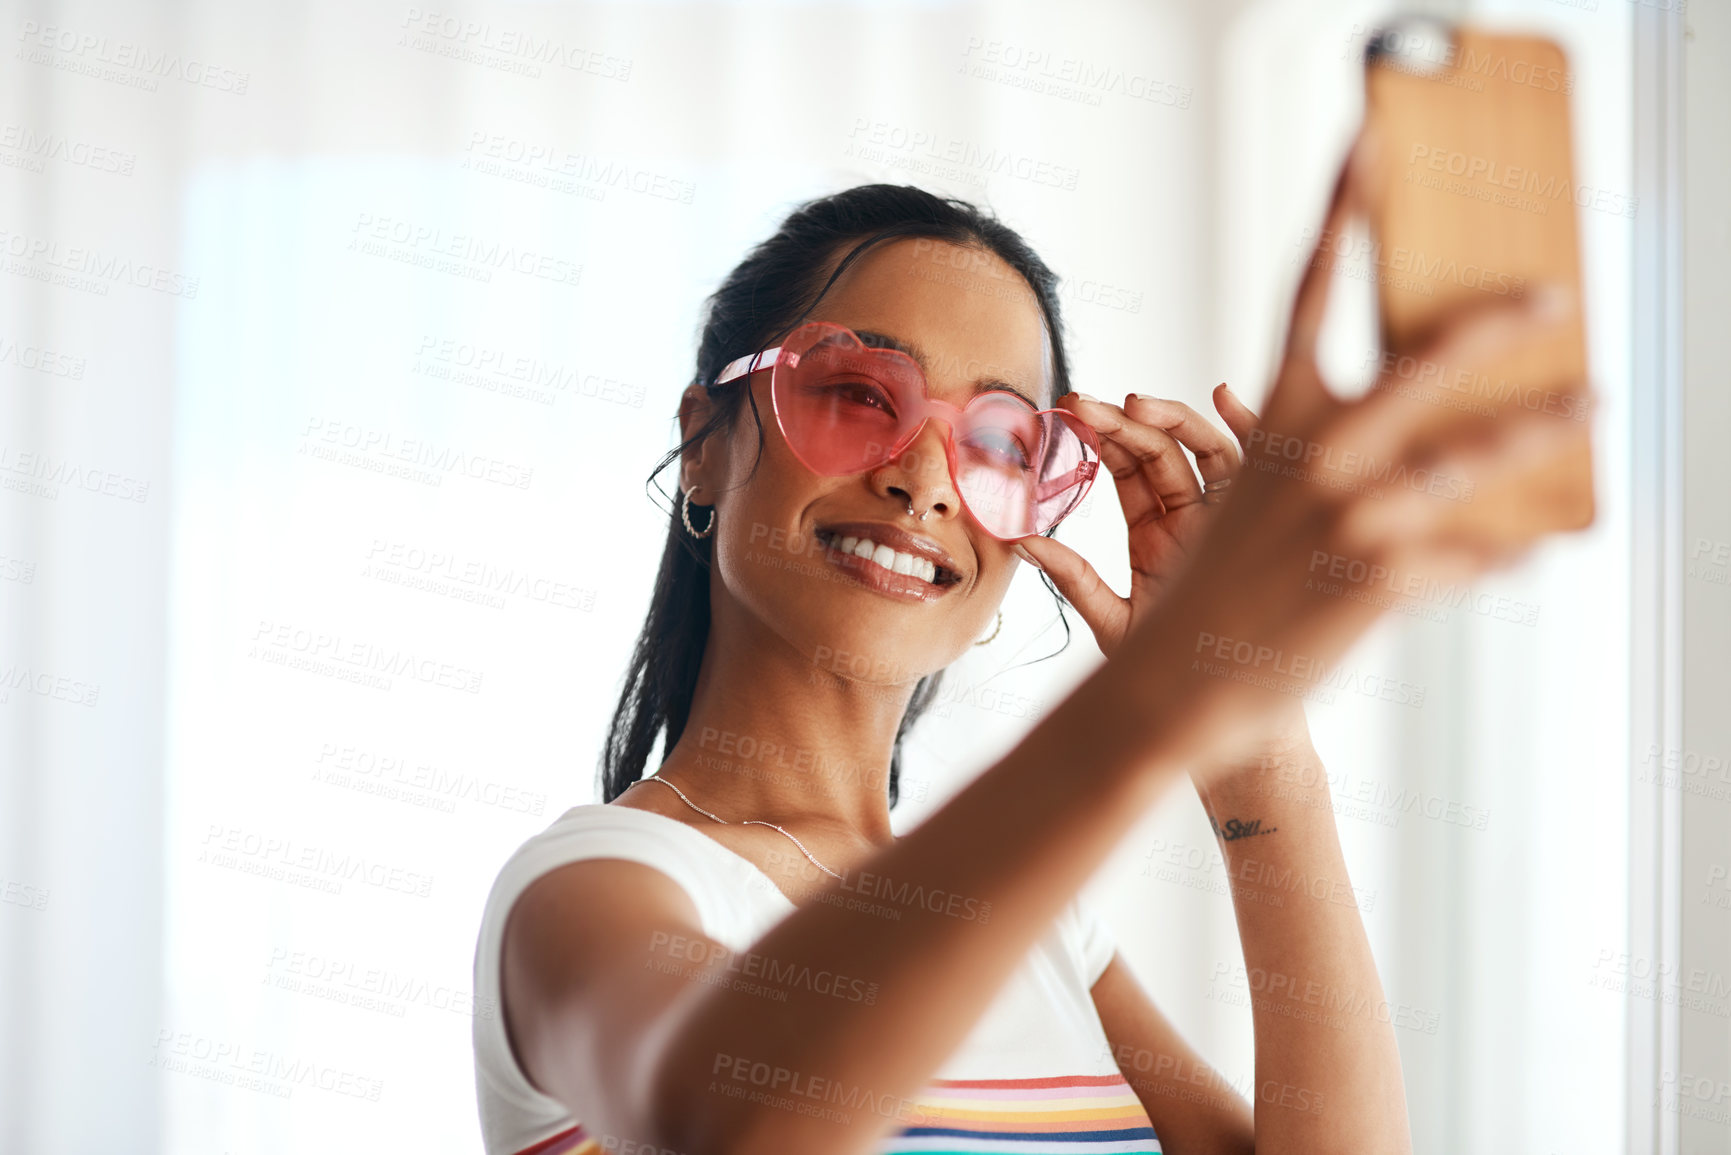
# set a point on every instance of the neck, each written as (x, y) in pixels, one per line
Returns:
(772, 736)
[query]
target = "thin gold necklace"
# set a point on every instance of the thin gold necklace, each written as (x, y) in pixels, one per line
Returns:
(748, 822)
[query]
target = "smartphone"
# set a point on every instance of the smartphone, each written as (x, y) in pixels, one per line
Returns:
(1472, 198)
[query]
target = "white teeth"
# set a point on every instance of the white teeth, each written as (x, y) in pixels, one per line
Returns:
(895, 561)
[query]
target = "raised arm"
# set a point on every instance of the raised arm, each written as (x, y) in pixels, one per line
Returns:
(1324, 1030)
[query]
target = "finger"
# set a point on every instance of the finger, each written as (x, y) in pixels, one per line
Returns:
(1138, 496)
(1215, 452)
(1475, 336)
(1300, 398)
(1387, 422)
(1515, 444)
(1149, 460)
(1310, 303)
(1107, 614)
(1239, 417)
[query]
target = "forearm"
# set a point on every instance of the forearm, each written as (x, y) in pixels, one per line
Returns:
(1327, 1065)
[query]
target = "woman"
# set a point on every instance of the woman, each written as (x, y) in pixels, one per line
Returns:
(736, 954)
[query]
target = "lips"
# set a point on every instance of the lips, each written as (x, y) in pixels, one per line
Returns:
(946, 571)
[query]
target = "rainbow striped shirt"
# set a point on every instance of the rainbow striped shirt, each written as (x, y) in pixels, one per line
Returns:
(1035, 1076)
(1059, 1115)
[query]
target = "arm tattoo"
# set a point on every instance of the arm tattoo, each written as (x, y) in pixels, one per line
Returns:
(1234, 829)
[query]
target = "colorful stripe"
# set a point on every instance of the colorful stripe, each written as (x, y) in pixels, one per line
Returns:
(1060, 1115)
(573, 1141)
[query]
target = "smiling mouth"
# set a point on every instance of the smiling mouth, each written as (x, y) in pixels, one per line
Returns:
(890, 559)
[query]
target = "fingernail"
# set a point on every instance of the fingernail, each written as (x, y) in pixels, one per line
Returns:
(1020, 551)
(1084, 396)
(1129, 397)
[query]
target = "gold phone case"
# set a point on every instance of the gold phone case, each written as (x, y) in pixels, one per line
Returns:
(1472, 198)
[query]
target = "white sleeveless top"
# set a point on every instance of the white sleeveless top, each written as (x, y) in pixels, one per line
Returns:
(1035, 1075)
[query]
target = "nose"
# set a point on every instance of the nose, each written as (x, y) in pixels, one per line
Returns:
(920, 474)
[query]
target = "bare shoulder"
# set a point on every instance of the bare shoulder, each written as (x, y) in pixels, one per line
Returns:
(582, 911)
(587, 911)
(577, 981)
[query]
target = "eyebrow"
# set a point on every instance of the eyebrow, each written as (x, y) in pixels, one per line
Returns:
(878, 340)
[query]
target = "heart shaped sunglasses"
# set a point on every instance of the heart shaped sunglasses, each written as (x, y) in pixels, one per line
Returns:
(844, 407)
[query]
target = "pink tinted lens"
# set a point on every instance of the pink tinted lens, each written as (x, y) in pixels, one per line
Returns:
(1019, 471)
(844, 408)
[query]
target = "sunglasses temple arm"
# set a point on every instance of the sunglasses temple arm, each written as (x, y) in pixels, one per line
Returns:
(1057, 485)
(745, 365)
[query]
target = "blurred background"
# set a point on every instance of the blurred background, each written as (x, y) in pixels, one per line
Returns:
(366, 322)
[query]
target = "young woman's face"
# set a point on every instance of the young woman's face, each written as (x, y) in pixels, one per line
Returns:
(974, 324)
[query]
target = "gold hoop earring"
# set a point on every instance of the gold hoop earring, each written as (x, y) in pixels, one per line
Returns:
(994, 632)
(685, 516)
